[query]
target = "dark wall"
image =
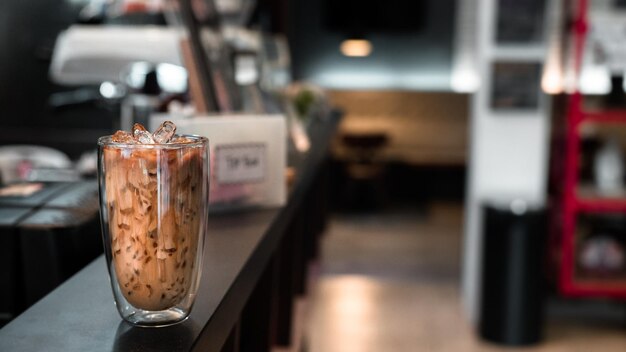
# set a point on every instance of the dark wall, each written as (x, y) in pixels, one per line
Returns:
(28, 31)
(416, 60)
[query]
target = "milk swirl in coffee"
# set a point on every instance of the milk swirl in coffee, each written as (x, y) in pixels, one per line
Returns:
(153, 202)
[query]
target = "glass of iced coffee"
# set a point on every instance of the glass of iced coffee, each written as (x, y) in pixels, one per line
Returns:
(153, 207)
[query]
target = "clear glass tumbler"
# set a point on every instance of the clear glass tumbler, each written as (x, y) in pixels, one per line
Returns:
(154, 208)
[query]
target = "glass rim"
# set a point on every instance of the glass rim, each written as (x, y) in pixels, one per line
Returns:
(105, 141)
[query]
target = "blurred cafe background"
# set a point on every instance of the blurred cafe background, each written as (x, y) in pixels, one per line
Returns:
(455, 170)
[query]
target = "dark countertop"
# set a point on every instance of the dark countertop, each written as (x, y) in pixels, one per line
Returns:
(56, 205)
(80, 314)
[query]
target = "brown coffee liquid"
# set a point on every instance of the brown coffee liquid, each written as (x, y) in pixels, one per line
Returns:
(153, 198)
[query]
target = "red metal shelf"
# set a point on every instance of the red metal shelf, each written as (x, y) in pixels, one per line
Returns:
(601, 206)
(589, 200)
(602, 288)
(606, 116)
(578, 198)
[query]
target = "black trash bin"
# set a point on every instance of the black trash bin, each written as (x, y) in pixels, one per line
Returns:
(512, 310)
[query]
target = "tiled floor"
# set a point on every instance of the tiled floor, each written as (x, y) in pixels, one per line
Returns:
(390, 282)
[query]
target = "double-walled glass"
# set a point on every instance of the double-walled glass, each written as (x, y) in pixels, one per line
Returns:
(153, 207)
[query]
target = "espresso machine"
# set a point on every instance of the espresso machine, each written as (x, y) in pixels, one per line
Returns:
(132, 65)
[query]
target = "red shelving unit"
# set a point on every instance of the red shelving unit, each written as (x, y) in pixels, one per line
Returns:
(574, 202)
(607, 116)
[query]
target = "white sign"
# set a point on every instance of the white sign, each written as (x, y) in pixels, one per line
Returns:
(240, 163)
(262, 135)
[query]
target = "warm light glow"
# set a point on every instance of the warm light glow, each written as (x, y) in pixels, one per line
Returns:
(354, 311)
(552, 80)
(356, 47)
(570, 81)
(299, 136)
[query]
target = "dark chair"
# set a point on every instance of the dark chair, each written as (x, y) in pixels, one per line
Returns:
(365, 171)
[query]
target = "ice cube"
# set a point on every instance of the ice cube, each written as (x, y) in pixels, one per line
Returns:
(141, 135)
(137, 127)
(164, 133)
(123, 137)
(144, 137)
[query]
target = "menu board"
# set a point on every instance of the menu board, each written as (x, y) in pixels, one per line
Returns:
(520, 22)
(515, 86)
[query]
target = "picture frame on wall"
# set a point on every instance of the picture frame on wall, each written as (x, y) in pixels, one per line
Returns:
(520, 22)
(515, 86)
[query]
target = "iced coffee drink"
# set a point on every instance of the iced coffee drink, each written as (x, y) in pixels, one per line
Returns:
(154, 190)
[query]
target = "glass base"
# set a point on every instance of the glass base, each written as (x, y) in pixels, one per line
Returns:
(157, 319)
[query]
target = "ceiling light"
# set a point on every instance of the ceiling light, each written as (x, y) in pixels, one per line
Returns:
(356, 47)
